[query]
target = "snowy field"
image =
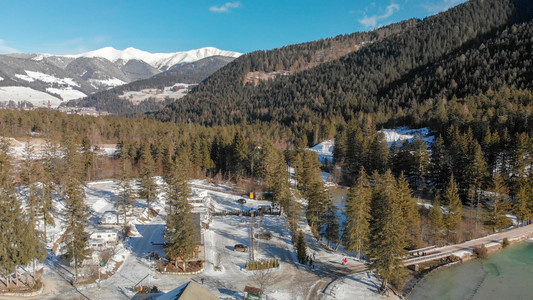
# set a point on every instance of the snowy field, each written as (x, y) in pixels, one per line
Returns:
(227, 281)
(324, 151)
(37, 98)
(397, 135)
(176, 91)
(401, 134)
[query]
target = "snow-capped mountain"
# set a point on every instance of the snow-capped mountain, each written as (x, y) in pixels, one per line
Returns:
(161, 61)
(48, 80)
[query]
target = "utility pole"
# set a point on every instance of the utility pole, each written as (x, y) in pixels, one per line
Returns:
(252, 223)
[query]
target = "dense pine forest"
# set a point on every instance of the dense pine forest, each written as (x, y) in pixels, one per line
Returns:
(465, 73)
(189, 73)
(475, 49)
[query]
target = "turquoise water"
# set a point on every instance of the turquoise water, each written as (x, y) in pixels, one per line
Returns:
(506, 274)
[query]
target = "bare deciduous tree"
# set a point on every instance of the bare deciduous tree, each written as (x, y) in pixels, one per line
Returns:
(264, 279)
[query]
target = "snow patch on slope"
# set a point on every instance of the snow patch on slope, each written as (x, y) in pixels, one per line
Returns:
(176, 91)
(24, 77)
(67, 93)
(37, 98)
(401, 134)
(397, 135)
(32, 76)
(324, 150)
(112, 82)
(160, 61)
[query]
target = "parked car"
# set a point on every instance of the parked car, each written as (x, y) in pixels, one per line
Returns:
(263, 235)
(241, 200)
(240, 247)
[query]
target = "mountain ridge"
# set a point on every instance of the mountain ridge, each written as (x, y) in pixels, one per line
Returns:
(358, 83)
(158, 60)
(66, 77)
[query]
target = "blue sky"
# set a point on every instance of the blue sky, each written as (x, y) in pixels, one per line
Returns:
(72, 26)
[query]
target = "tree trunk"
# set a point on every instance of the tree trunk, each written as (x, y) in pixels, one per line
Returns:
(75, 269)
(384, 285)
(45, 236)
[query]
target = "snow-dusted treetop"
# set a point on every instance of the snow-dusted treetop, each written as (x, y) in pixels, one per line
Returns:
(157, 60)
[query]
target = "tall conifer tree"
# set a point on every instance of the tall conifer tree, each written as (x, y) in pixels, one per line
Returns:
(181, 233)
(357, 227)
(387, 237)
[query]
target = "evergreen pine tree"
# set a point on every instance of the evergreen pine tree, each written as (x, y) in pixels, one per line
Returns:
(331, 223)
(317, 199)
(239, 155)
(440, 165)
(499, 204)
(410, 212)
(355, 152)
(281, 188)
(76, 239)
(357, 228)
(148, 185)
(378, 154)
(181, 233)
(301, 248)
(126, 198)
(420, 157)
(455, 210)
(522, 156)
(524, 206)
(436, 222)
(46, 201)
(387, 238)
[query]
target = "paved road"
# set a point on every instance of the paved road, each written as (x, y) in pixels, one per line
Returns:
(328, 271)
(437, 253)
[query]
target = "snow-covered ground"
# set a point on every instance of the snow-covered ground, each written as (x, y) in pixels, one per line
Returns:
(38, 144)
(324, 150)
(66, 93)
(161, 61)
(32, 76)
(20, 93)
(290, 281)
(401, 134)
(111, 82)
(176, 91)
(350, 287)
(58, 86)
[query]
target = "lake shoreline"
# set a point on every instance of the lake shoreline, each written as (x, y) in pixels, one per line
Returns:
(492, 247)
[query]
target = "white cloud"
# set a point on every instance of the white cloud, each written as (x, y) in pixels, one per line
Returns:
(225, 8)
(5, 49)
(372, 21)
(440, 5)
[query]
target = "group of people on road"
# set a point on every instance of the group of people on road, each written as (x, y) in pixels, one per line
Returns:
(310, 260)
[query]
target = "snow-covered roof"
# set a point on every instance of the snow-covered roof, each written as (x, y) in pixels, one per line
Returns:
(189, 291)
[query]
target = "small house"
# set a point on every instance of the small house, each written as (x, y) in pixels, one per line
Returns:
(111, 217)
(188, 291)
(101, 239)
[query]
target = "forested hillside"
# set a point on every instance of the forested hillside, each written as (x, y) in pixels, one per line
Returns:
(471, 49)
(188, 73)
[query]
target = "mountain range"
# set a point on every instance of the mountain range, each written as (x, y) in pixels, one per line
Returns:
(49, 80)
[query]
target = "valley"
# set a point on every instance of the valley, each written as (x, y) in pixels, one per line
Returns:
(329, 164)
